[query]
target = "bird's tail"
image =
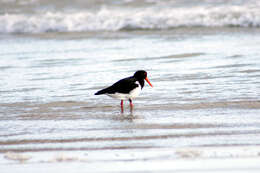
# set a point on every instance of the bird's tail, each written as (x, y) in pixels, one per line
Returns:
(104, 91)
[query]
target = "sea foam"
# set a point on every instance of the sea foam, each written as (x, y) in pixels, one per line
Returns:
(114, 19)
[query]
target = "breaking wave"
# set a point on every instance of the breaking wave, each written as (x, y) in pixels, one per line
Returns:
(115, 19)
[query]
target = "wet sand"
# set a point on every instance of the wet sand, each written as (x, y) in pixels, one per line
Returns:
(203, 159)
(78, 137)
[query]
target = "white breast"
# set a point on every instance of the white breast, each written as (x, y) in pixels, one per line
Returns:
(135, 92)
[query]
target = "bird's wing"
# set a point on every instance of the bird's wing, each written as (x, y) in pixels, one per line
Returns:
(122, 86)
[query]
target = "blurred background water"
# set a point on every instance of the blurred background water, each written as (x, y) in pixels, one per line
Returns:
(201, 56)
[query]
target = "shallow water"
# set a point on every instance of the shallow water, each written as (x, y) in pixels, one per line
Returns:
(206, 94)
(204, 104)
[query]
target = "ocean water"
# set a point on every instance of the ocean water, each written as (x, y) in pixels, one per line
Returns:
(201, 56)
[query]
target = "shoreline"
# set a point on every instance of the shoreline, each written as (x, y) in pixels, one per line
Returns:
(185, 159)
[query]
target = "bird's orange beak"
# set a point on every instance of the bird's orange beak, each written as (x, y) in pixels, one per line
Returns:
(147, 80)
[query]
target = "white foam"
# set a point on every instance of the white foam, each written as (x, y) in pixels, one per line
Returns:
(114, 19)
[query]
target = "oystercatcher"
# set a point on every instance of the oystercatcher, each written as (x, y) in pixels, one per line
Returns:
(127, 88)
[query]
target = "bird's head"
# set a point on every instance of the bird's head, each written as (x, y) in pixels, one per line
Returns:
(142, 75)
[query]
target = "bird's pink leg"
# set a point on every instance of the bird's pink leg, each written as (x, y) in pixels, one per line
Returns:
(131, 105)
(122, 106)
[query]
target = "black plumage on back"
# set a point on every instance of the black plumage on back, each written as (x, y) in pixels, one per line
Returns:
(122, 86)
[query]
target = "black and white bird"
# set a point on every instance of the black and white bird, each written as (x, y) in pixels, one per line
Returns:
(127, 88)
